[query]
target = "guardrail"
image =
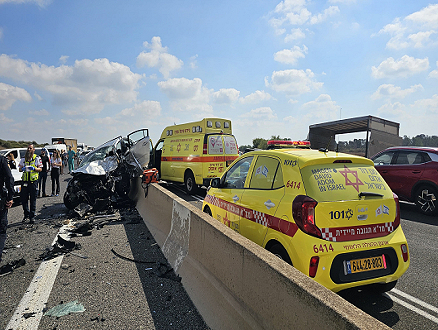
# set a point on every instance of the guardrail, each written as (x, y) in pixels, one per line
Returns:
(233, 282)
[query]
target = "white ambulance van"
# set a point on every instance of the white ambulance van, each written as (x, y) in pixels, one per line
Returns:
(196, 152)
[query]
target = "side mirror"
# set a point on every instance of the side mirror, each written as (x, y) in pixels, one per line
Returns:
(215, 182)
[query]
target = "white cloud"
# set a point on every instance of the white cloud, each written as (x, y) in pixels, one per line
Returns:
(430, 104)
(159, 58)
(392, 109)
(63, 59)
(193, 62)
(40, 3)
(416, 30)
(295, 34)
(394, 92)
(260, 113)
(10, 94)
(4, 119)
(149, 109)
(332, 10)
(295, 12)
(434, 73)
(255, 97)
(225, 96)
(187, 95)
(347, 2)
(290, 56)
(322, 108)
(405, 67)
(83, 88)
(293, 82)
(42, 112)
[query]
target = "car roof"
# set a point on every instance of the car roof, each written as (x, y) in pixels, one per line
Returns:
(430, 149)
(307, 157)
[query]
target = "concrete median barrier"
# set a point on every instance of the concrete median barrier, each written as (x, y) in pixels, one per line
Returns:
(234, 283)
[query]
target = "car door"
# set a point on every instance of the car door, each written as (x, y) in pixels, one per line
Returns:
(261, 198)
(228, 197)
(384, 164)
(407, 169)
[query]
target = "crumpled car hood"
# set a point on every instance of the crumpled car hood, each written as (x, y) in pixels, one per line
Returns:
(99, 167)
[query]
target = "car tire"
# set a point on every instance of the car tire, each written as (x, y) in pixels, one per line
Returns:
(382, 287)
(279, 251)
(426, 200)
(190, 183)
(208, 211)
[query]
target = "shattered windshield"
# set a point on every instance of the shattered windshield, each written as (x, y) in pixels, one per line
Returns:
(100, 153)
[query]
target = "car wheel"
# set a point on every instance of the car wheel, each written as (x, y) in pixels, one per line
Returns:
(426, 200)
(279, 251)
(382, 287)
(190, 183)
(71, 201)
(208, 211)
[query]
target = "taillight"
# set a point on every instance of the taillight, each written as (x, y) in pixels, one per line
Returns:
(204, 150)
(313, 267)
(397, 212)
(405, 254)
(303, 211)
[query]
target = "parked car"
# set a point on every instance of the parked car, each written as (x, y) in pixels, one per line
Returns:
(105, 174)
(330, 215)
(412, 173)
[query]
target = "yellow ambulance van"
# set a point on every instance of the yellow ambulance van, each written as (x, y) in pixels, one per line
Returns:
(196, 152)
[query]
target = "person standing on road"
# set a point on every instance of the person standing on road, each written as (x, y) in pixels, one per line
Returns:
(43, 174)
(11, 161)
(56, 168)
(6, 200)
(71, 160)
(31, 166)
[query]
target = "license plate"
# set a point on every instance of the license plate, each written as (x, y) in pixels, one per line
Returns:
(364, 264)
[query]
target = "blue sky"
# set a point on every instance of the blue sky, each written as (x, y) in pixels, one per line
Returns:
(93, 70)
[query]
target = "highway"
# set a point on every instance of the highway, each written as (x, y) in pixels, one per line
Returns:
(413, 303)
(121, 294)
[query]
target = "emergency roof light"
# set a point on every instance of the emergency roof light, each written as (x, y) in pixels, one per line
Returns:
(281, 143)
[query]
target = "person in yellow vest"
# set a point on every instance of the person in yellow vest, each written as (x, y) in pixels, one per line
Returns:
(30, 165)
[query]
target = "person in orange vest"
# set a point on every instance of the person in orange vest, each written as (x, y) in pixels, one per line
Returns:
(30, 165)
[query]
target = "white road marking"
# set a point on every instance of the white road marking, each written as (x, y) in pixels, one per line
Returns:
(37, 294)
(412, 307)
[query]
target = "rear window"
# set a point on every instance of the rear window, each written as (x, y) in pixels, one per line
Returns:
(230, 145)
(330, 182)
(215, 146)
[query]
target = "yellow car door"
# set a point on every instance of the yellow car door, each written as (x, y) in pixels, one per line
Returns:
(261, 198)
(227, 199)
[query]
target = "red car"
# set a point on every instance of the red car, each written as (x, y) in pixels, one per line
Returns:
(411, 173)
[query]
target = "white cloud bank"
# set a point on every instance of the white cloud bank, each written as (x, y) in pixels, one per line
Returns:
(293, 82)
(10, 94)
(403, 68)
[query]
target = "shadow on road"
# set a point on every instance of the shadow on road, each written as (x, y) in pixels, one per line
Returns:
(373, 304)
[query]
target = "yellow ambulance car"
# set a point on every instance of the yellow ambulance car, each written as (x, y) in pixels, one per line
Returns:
(330, 215)
(194, 153)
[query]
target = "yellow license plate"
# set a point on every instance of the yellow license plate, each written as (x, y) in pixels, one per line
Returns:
(364, 264)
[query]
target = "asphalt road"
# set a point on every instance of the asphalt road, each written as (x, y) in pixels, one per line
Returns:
(118, 293)
(413, 304)
(117, 273)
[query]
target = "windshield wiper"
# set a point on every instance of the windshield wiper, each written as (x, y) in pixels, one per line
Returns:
(366, 193)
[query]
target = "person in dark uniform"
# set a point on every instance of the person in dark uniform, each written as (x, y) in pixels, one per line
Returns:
(7, 194)
(43, 174)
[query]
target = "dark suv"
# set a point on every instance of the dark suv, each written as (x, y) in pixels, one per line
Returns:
(412, 173)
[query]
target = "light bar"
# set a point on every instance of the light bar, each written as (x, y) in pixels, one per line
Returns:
(289, 143)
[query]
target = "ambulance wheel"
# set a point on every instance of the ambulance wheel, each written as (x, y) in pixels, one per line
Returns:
(190, 183)
(279, 251)
(208, 211)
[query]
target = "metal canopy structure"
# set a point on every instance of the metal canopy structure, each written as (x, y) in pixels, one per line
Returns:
(381, 133)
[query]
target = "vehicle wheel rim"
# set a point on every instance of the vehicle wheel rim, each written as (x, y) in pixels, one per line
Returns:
(427, 201)
(189, 184)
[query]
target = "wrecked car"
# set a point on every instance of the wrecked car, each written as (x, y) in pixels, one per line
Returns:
(104, 175)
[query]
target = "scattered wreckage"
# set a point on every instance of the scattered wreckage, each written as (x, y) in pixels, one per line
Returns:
(104, 175)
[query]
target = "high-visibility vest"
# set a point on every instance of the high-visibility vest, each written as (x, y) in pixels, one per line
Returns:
(32, 175)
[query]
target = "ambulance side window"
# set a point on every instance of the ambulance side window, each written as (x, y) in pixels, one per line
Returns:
(236, 175)
(265, 174)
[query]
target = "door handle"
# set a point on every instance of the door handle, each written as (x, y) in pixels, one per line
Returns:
(384, 171)
(235, 198)
(269, 204)
(416, 172)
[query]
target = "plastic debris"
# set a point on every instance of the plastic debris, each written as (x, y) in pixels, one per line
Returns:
(10, 266)
(65, 309)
